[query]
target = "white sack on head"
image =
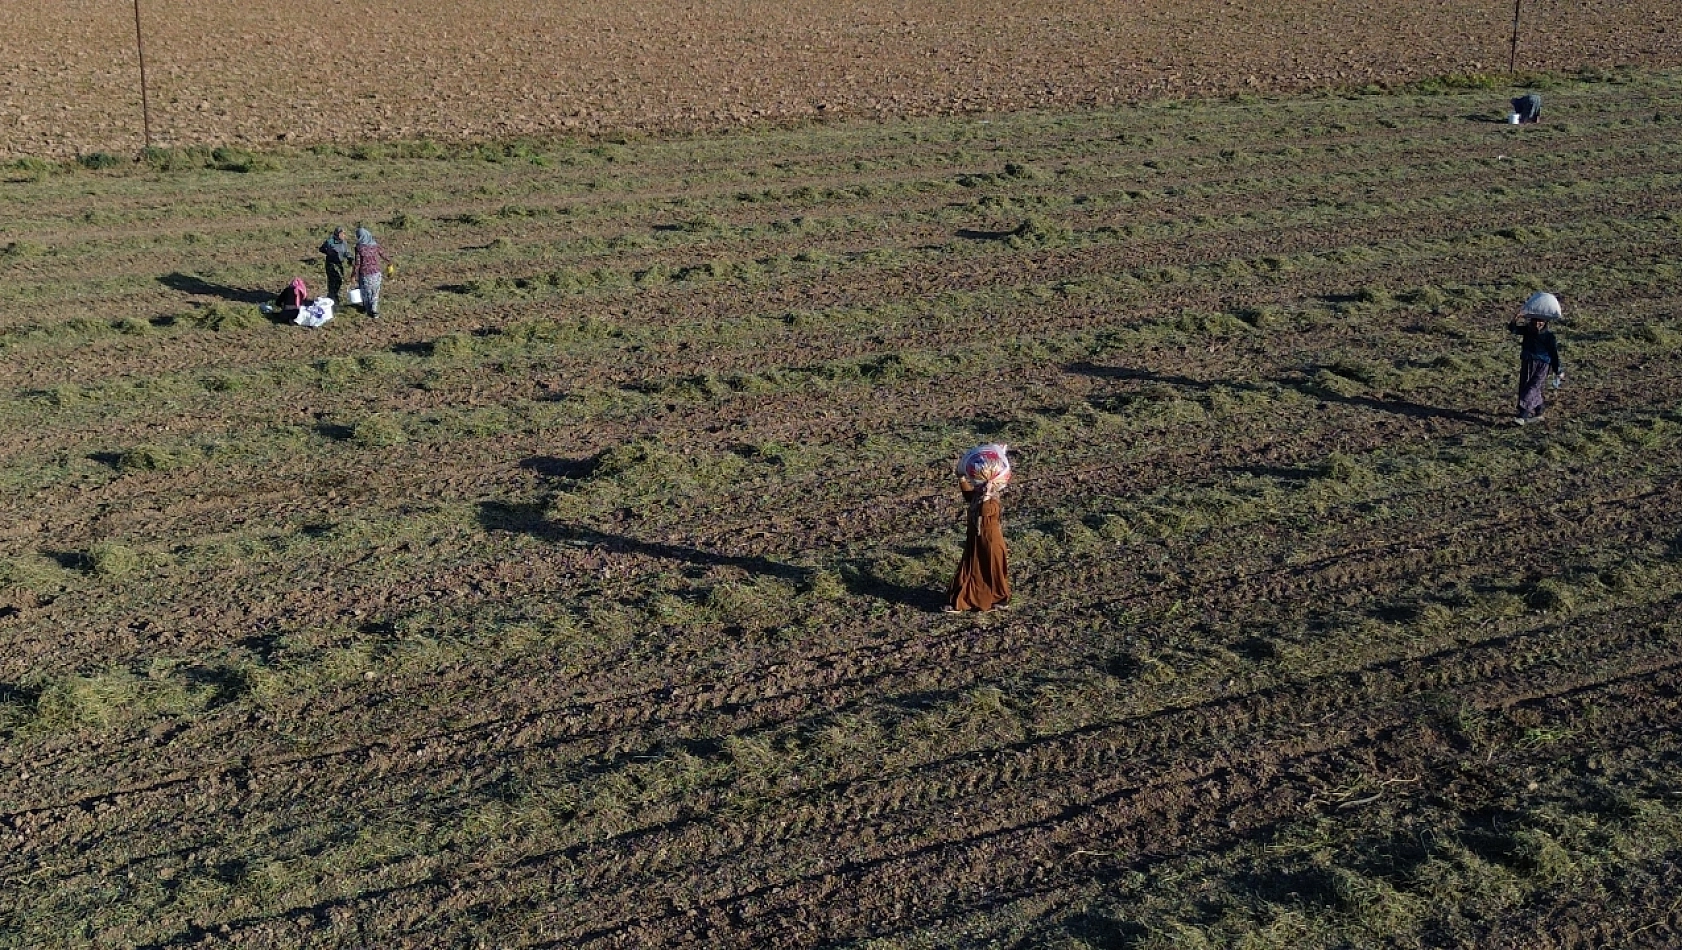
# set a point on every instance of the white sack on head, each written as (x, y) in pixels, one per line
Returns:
(987, 467)
(1543, 306)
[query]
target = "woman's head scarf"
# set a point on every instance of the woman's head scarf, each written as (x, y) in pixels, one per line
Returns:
(365, 238)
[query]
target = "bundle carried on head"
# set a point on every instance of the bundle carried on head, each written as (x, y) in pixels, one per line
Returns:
(987, 469)
(1543, 306)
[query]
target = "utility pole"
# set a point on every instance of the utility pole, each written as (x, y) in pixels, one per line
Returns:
(1512, 57)
(145, 102)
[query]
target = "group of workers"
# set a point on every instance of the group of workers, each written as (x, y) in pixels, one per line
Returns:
(368, 263)
(982, 580)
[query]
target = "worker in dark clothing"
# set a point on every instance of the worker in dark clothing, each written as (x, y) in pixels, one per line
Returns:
(337, 251)
(1540, 354)
(1529, 108)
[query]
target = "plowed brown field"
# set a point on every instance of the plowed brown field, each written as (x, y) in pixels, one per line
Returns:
(237, 72)
(589, 597)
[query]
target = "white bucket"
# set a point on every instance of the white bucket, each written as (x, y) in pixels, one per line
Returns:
(1512, 119)
(356, 296)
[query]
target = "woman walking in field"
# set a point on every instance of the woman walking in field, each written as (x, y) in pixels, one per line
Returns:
(1540, 354)
(369, 257)
(982, 581)
(336, 250)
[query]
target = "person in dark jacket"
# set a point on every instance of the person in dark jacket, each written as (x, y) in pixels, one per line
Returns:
(1539, 355)
(337, 252)
(293, 297)
(1529, 108)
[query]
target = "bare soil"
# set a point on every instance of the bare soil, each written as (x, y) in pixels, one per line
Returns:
(232, 72)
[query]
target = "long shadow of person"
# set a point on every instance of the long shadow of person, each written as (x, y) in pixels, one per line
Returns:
(199, 287)
(529, 519)
(861, 578)
(974, 234)
(1384, 402)
(1148, 376)
(550, 466)
(858, 575)
(1302, 383)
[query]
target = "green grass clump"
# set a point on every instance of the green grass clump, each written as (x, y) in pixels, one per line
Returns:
(1542, 856)
(452, 346)
(224, 382)
(229, 159)
(31, 573)
(1552, 596)
(32, 168)
(98, 161)
(1344, 468)
(761, 603)
(1035, 231)
(149, 458)
(825, 585)
(226, 316)
(166, 159)
(109, 559)
(1657, 334)
(379, 432)
(115, 697)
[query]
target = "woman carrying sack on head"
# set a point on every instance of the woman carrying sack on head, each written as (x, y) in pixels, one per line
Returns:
(369, 257)
(1540, 355)
(982, 581)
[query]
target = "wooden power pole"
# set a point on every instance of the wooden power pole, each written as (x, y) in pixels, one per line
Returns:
(145, 102)
(1512, 56)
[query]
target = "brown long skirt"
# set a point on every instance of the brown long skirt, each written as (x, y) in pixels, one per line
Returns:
(983, 581)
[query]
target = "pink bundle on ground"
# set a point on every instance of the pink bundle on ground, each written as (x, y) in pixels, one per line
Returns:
(987, 466)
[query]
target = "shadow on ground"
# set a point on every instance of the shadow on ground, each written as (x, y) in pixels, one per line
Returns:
(864, 582)
(1383, 402)
(198, 286)
(529, 519)
(857, 575)
(552, 467)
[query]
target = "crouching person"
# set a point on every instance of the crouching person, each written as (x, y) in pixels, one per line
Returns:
(1528, 108)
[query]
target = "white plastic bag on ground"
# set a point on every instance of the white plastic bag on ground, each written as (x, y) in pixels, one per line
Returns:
(316, 313)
